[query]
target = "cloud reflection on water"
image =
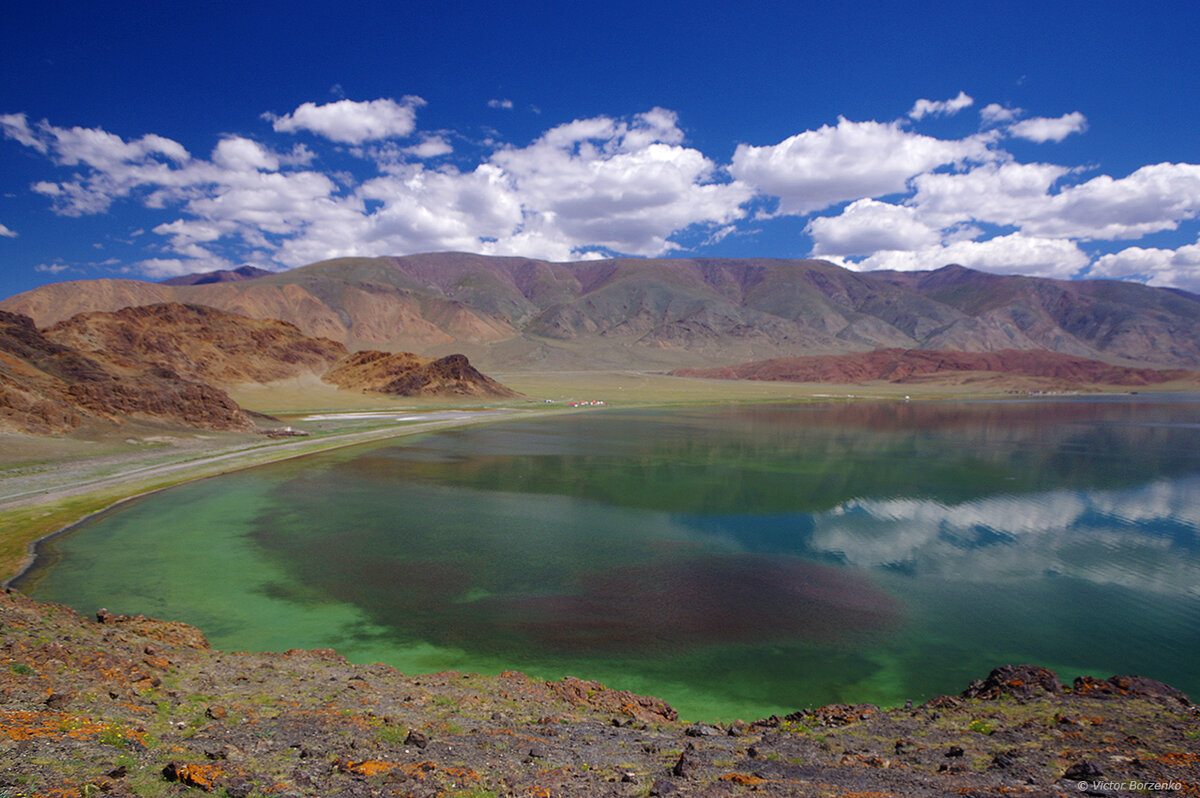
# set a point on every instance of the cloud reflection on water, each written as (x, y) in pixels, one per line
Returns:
(1143, 538)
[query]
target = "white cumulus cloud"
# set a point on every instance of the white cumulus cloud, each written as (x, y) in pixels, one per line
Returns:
(867, 226)
(1003, 193)
(16, 127)
(852, 160)
(1015, 253)
(1171, 268)
(430, 147)
(924, 108)
(1042, 129)
(162, 268)
(622, 185)
(996, 114)
(1152, 199)
(349, 122)
(627, 185)
(242, 155)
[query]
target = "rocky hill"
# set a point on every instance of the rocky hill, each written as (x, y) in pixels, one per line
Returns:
(127, 705)
(406, 374)
(48, 387)
(670, 313)
(166, 361)
(200, 343)
(924, 366)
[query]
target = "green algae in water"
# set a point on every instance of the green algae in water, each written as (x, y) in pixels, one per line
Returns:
(736, 561)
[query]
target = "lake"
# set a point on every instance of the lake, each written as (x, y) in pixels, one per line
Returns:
(735, 561)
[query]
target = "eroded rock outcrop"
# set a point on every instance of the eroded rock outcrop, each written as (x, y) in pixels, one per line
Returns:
(406, 374)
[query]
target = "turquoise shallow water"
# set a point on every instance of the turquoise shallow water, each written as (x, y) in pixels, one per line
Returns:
(735, 561)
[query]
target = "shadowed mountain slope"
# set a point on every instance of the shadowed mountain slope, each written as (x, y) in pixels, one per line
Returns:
(668, 313)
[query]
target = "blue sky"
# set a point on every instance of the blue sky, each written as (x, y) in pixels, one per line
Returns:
(147, 139)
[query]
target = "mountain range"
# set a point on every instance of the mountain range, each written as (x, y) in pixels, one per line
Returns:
(519, 313)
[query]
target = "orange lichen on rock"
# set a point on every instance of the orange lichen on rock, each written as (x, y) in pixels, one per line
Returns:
(28, 725)
(366, 767)
(1178, 758)
(54, 792)
(462, 774)
(377, 767)
(194, 775)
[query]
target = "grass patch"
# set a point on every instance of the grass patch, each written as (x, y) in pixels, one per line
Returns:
(114, 736)
(981, 726)
(393, 734)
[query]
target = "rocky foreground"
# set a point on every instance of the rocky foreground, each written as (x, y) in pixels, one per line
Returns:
(126, 705)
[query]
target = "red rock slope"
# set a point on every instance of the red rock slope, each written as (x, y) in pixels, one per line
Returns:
(917, 365)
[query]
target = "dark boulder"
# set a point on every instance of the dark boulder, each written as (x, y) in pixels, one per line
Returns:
(1136, 686)
(1019, 681)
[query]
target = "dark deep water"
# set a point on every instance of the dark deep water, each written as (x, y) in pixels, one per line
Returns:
(736, 561)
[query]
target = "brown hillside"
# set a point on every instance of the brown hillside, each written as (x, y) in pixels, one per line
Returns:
(200, 343)
(46, 387)
(406, 374)
(907, 365)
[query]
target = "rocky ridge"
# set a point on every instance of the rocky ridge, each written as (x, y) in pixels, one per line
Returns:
(46, 387)
(200, 343)
(127, 705)
(911, 366)
(170, 362)
(406, 374)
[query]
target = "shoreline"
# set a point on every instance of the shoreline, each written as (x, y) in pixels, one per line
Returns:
(109, 492)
